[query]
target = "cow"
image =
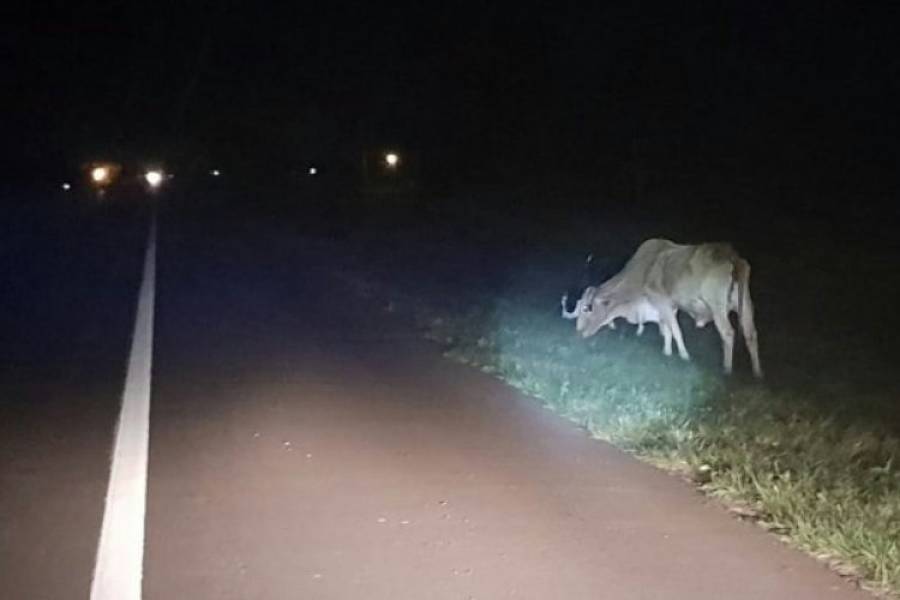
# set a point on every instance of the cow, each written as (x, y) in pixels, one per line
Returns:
(627, 280)
(706, 281)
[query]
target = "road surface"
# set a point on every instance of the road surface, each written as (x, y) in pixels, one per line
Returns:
(304, 445)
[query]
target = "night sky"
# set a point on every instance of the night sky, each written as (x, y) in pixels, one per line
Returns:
(486, 92)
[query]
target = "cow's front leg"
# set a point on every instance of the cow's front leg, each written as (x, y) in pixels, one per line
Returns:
(666, 332)
(679, 341)
(640, 327)
(726, 332)
(672, 322)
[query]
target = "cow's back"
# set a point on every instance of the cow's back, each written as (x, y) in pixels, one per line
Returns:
(634, 276)
(691, 273)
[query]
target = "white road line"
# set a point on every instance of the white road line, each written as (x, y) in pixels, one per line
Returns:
(120, 554)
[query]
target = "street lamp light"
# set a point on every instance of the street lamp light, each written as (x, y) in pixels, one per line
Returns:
(392, 160)
(100, 174)
(154, 178)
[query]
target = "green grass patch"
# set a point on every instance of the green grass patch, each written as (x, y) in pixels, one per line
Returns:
(823, 476)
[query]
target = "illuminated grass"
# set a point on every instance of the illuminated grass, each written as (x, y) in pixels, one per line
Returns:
(825, 479)
(813, 458)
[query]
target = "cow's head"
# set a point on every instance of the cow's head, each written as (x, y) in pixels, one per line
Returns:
(594, 311)
(576, 303)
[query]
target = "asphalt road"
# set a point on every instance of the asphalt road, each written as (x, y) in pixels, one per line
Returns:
(303, 444)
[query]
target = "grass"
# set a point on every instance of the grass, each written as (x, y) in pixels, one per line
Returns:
(828, 485)
(812, 458)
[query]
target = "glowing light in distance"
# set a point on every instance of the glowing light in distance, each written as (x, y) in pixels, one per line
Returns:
(153, 177)
(391, 159)
(100, 174)
(67, 186)
(215, 172)
(313, 171)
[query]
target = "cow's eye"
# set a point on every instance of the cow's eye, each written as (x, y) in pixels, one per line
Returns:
(588, 308)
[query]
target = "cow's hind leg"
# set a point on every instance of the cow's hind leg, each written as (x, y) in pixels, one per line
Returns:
(748, 328)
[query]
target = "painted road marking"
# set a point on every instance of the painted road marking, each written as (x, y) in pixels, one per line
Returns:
(118, 570)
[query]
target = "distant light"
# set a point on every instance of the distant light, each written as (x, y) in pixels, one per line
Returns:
(215, 172)
(154, 178)
(391, 159)
(100, 174)
(313, 171)
(67, 186)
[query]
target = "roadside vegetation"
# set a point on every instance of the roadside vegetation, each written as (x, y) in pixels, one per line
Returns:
(812, 454)
(826, 481)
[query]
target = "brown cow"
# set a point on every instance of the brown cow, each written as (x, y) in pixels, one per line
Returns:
(707, 281)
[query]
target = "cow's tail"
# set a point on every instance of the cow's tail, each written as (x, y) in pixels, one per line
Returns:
(745, 314)
(742, 280)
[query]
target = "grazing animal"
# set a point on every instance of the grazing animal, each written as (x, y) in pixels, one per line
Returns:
(637, 312)
(706, 281)
(627, 280)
